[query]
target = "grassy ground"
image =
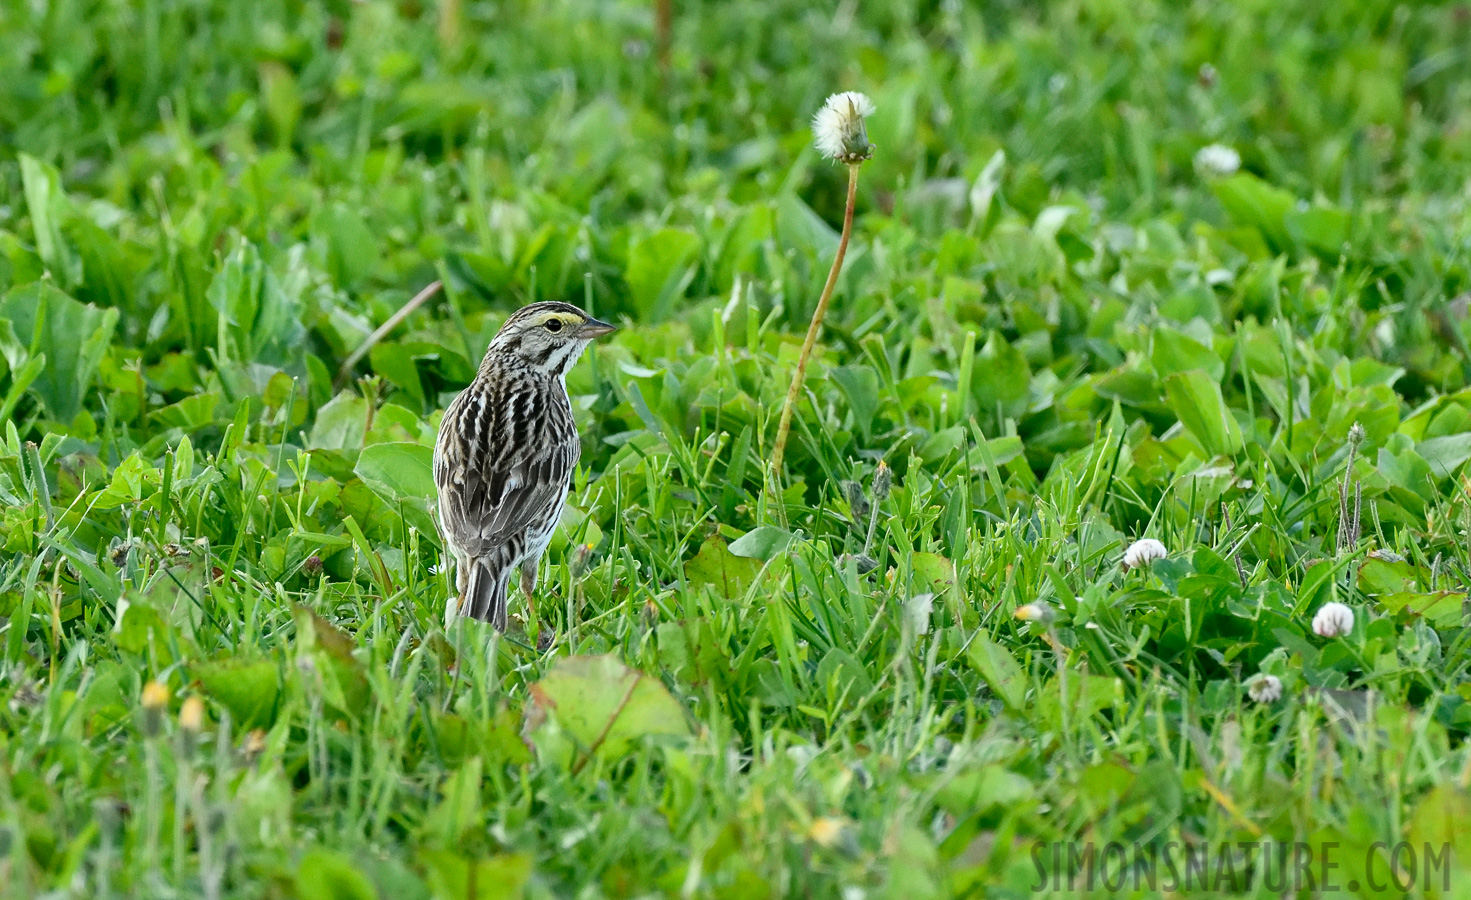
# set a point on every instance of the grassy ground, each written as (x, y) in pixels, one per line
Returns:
(1060, 328)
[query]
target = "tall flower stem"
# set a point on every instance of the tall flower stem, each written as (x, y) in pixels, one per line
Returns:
(779, 449)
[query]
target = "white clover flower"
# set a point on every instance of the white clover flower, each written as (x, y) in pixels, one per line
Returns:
(1264, 688)
(1333, 620)
(1217, 161)
(1143, 552)
(839, 130)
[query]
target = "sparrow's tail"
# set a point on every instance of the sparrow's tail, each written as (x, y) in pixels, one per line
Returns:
(485, 597)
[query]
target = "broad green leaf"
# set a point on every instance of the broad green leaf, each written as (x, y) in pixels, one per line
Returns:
(1382, 576)
(281, 99)
(341, 424)
(459, 807)
(1000, 670)
(1252, 202)
(1410, 477)
(127, 484)
(763, 542)
(109, 277)
(692, 652)
(140, 627)
(659, 269)
(72, 335)
(860, 384)
(352, 251)
(399, 363)
(1175, 352)
(497, 739)
(398, 471)
(1103, 785)
(48, 206)
(1001, 379)
(1002, 450)
(1445, 454)
(1442, 608)
(842, 670)
(799, 227)
(13, 351)
(1131, 386)
(730, 575)
(327, 875)
(341, 676)
(1196, 399)
(453, 877)
(249, 688)
(1320, 229)
(981, 788)
(1086, 695)
(193, 412)
(258, 321)
(932, 572)
(606, 706)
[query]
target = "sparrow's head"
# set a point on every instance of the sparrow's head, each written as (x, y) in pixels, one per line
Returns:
(548, 336)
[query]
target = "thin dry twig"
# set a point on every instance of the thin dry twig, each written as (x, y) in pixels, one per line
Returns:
(382, 331)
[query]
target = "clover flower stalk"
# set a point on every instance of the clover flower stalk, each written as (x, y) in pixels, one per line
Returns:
(883, 480)
(840, 135)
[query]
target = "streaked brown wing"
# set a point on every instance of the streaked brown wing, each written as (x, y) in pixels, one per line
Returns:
(507, 461)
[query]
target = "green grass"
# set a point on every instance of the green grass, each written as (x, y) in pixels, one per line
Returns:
(1057, 333)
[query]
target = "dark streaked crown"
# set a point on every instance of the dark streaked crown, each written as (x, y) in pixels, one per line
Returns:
(535, 311)
(547, 336)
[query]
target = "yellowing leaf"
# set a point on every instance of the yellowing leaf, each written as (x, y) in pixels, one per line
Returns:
(1442, 608)
(343, 681)
(715, 565)
(606, 706)
(932, 572)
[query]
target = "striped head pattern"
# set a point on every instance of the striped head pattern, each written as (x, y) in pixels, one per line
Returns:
(549, 337)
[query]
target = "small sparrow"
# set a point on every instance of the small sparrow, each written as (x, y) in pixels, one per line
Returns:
(505, 454)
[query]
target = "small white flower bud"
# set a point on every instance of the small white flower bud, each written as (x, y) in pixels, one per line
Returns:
(1264, 688)
(883, 480)
(1333, 620)
(1143, 552)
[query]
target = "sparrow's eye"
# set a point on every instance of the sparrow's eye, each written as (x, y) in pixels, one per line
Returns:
(554, 325)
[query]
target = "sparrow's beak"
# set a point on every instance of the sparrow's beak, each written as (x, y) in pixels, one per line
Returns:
(594, 328)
